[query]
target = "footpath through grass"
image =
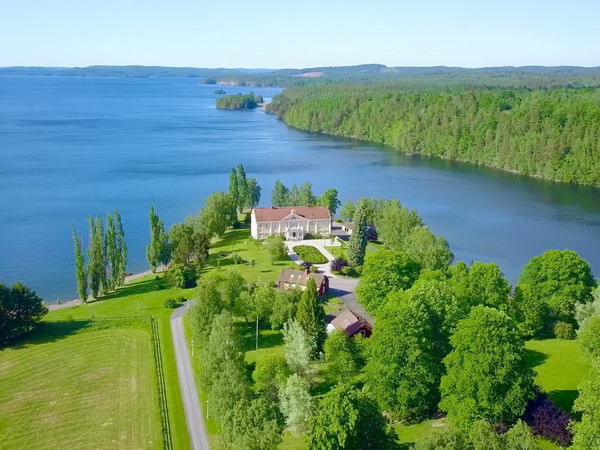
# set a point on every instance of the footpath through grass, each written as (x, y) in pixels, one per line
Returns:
(80, 385)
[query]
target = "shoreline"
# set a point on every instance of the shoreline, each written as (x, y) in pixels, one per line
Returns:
(77, 301)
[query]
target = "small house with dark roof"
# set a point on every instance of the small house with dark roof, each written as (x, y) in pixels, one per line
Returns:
(291, 278)
(291, 222)
(351, 323)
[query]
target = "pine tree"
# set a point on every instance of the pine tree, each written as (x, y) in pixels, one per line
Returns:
(311, 314)
(121, 250)
(110, 251)
(357, 244)
(242, 183)
(279, 195)
(80, 272)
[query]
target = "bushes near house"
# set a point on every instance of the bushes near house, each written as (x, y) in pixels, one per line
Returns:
(310, 254)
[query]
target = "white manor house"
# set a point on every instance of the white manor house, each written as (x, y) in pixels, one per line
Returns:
(292, 222)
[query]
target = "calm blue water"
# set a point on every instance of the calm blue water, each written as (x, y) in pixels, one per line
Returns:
(73, 147)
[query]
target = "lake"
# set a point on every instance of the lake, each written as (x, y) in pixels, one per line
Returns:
(73, 147)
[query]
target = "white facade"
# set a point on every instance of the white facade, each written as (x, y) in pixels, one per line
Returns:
(292, 227)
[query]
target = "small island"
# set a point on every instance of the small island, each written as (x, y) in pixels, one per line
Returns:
(220, 92)
(239, 101)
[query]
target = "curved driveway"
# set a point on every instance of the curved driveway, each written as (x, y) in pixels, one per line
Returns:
(187, 384)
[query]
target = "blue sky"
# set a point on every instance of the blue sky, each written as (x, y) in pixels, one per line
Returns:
(277, 34)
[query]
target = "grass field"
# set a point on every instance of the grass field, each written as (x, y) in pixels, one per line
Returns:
(80, 385)
(144, 297)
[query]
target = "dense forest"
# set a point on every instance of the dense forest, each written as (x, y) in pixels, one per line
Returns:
(550, 133)
(239, 101)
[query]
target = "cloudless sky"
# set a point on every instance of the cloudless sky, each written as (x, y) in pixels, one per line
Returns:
(308, 33)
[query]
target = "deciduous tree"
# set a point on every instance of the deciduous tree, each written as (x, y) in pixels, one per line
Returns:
(158, 251)
(347, 211)
(296, 403)
(279, 195)
(299, 348)
(20, 310)
(80, 272)
(329, 198)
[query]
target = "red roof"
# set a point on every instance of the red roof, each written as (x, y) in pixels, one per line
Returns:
(275, 214)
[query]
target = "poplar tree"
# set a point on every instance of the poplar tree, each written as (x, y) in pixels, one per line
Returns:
(242, 183)
(95, 260)
(80, 272)
(103, 262)
(253, 193)
(157, 252)
(357, 245)
(121, 246)
(110, 251)
(234, 187)
(311, 314)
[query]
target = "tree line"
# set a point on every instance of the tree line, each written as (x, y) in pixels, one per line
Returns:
(304, 196)
(107, 257)
(547, 133)
(239, 101)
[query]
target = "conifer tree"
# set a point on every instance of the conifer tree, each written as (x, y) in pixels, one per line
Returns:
(121, 250)
(80, 272)
(357, 244)
(311, 314)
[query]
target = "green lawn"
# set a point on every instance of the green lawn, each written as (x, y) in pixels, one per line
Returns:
(559, 368)
(338, 251)
(80, 385)
(241, 243)
(310, 254)
(144, 297)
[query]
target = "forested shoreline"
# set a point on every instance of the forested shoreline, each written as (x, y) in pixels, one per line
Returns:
(548, 133)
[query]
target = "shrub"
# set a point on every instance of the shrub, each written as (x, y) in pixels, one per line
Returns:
(310, 254)
(346, 270)
(564, 330)
(548, 420)
(358, 270)
(181, 276)
(313, 269)
(338, 264)
(237, 259)
(171, 303)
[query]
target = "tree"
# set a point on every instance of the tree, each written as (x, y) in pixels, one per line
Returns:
(275, 248)
(181, 276)
(347, 419)
(296, 403)
(548, 421)
(384, 272)
(590, 337)
(305, 195)
(157, 252)
(340, 353)
(231, 284)
(20, 310)
(242, 183)
(447, 438)
(562, 279)
(121, 250)
(529, 310)
(429, 251)
(209, 305)
(95, 257)
(224, 344)
(293, 196)
(395, 223)
(585, 311)
(487, 376)
(299, 348)
(404, 368)
(588, 404)
(80, 272)
(189, 245)
(487, 286)
(284, 307)
(234, 191)
(253, 193)
(271, 370)
(329, 198)
(219, 213)
(279, 195)
(111, 255)
(347, 211)
(263, 298)
(228, 389)
(311, 315)
(357, 245)
(252, 425)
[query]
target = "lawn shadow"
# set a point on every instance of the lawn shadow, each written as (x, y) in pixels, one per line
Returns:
(535, 358)
(46, 332)
(267, 338)
(135, 288)
(565, 400)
